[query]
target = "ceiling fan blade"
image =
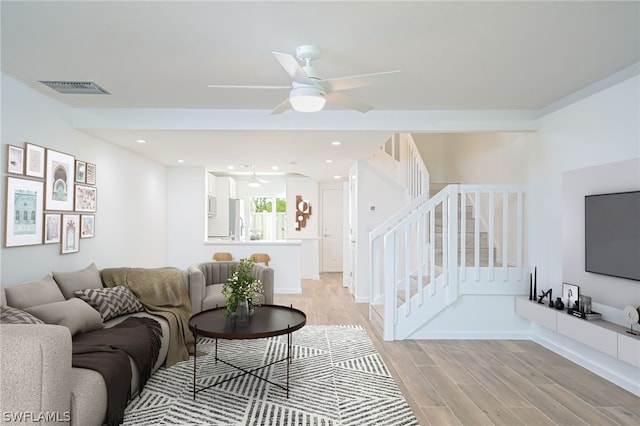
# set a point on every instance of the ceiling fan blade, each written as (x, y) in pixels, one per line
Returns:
(243, 86)
(354, 81)
(284, 105)
(341, 99)
(293, 68)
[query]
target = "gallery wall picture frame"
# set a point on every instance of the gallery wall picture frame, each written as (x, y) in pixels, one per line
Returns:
(15, 160)
(90, 174)
(570, 294)
(59, 181)
(34, 160)
(52, 227)
(87, 226)
(86, 198)
(81, 171)
(23, 212)
(70, 235)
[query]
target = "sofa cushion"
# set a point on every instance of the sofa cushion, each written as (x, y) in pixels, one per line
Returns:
(74, 314)
(69, 282)
(11, 315)
(33, 293)
(111, 302)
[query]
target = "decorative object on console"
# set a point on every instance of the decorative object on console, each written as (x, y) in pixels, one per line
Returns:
(535, 281)
(544, 294)
(631, 315)
(570, 294)
(559, 305)
(303, 211)
(585, 304)
(590, 316)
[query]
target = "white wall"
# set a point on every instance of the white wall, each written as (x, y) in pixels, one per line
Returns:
(476, 158)
(619, 176)
(378, 197)
(131, 220)
(601, 129)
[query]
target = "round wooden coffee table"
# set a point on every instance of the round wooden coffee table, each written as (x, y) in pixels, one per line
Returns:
(267, 321)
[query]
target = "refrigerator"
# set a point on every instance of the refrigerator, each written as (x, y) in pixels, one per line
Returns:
(236, 219)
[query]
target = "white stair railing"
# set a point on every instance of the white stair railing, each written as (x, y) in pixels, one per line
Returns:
(432, 251)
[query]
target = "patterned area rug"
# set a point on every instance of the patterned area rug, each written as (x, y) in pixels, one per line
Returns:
(336, 378)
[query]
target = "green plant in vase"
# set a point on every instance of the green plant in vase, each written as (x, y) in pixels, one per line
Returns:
(241, 286)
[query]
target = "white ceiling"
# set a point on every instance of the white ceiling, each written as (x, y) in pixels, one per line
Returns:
(456, 56)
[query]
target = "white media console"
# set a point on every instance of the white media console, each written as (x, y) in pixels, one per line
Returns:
(604, 336)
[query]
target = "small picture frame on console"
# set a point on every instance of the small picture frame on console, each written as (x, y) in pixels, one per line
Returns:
(570, 294)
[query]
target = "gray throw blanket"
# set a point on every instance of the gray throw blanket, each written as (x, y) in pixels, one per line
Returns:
(163, 292)
(107, 351)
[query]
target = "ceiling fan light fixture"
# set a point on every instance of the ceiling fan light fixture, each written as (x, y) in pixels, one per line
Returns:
(307, 99)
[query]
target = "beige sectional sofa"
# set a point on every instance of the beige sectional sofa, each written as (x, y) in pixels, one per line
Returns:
(36, 376)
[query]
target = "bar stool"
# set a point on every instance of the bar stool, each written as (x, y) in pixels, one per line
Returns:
(222, 256)
(260, 257)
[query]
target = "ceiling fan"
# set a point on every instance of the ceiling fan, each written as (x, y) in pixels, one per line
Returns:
(308, 92)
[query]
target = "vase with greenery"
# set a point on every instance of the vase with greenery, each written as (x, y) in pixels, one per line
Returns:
(241, 286)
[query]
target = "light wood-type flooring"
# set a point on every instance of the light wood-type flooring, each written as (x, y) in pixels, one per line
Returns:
(476, 382)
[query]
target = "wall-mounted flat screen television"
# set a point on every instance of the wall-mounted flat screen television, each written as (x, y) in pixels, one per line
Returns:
(612, 234)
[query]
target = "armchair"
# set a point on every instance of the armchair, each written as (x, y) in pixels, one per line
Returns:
(207, 278)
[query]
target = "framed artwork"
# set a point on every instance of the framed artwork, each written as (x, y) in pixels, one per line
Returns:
(86, 198)
(91, 173)
(87, 226)
(23, 221)
(570, 294)
(52, 228)
(81, 172)
(70, 235)
(15, 159)
(34, 162)
(59, 182)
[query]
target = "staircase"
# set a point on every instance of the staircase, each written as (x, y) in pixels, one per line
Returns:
(466, 239)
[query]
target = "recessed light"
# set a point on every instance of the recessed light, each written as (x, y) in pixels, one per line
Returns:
(328, 161)
(141, 141)
(275, 168)
(336, 143)
(180, 161)
(337, 177)
(230, 167)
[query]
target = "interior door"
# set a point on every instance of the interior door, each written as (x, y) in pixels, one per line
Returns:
(332, 212)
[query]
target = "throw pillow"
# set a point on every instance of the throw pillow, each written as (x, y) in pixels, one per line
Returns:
(74, 314)
(111, 302)
(11, 315)
(69, 282)
(32, 293)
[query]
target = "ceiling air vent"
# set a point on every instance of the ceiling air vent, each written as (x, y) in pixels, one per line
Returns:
(76, 87)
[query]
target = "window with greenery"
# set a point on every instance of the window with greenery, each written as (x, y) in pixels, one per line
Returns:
(265, 221)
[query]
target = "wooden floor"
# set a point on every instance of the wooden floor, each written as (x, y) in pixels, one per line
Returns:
(477, 382)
